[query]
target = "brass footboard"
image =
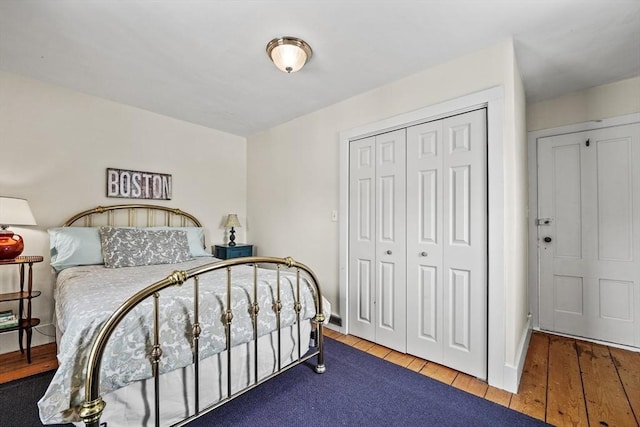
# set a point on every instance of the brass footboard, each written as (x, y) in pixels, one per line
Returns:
(93, 404)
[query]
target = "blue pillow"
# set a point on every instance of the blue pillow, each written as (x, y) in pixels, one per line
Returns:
(72, 246)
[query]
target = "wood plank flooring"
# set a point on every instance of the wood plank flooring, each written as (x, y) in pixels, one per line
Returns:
(565, 382)
(14, 365)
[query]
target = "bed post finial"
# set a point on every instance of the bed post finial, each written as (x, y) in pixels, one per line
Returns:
(320, 318)
(178, 277)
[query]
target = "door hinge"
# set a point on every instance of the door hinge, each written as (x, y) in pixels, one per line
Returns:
(544, 221)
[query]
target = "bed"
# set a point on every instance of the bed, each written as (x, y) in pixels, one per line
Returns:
(152, 330)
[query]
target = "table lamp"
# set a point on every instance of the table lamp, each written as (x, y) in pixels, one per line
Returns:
(232, 221)
(13, 211)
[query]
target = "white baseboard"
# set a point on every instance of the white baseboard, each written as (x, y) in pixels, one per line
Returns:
(513, 373)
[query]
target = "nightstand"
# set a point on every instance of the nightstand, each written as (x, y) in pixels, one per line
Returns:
(25, 321)
(237, 251)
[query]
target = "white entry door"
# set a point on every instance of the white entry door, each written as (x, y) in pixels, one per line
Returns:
(447, 242)
(589, 234)
(377, 291)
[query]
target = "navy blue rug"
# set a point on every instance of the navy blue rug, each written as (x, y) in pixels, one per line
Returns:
(359, 389)
(19, 401)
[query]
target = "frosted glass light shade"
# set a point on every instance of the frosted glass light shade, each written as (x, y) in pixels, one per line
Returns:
(289, 54)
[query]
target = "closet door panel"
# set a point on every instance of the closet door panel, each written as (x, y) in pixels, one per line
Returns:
(424, 241)
(465, 242)
(459, 291)
(426, 290)
(459, 213)
(391, 238)
(387, 299)
(362, 240)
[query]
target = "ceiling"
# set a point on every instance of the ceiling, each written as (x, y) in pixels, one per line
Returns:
(205, 62)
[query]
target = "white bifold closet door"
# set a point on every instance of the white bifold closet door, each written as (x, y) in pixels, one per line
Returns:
(418, 241)
(447, 242)
(377, 233)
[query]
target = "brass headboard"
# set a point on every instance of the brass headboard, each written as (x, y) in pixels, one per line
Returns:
(133, 215)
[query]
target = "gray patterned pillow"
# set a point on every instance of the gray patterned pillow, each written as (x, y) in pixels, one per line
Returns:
(129, 247)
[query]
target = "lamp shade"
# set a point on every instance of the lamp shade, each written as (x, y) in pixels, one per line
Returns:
(289, 54)
(232, 221)
(14, 211)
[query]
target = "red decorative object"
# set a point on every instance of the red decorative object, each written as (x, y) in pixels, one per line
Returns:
(11, 244)
(13, 211)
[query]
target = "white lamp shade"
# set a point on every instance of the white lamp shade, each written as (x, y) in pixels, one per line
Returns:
(232, 221)
(289, 54)
(14, 211)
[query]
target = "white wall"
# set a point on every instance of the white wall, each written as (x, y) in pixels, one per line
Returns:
(293, 184)
(597, 103)
(56, 145)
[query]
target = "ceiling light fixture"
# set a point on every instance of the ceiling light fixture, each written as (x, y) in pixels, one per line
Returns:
(289, 54)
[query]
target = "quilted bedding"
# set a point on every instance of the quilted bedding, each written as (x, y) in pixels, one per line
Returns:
(86, 297)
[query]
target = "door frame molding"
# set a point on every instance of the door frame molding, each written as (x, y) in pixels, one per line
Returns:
(499, 373)
(532, 156)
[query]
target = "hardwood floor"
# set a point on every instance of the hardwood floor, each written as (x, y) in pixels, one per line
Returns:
(14, 365)
(565, 382)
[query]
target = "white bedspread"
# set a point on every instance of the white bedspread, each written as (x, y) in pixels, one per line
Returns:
(87, 296)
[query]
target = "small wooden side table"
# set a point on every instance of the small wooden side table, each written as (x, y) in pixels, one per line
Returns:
(26, 323)
(228, 252)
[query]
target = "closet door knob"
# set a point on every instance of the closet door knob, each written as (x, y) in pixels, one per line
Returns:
(423, 253)
(389, 252)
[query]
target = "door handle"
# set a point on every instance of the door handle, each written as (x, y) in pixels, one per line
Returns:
(423, 253)
(548, 239)
(389, 252)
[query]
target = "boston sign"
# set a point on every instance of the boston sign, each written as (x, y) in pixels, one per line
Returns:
(138, 185)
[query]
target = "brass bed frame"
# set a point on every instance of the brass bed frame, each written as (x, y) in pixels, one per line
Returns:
(153, 215)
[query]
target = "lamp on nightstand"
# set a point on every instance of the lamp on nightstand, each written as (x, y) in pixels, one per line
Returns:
(232, 221)
(13, 211)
